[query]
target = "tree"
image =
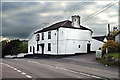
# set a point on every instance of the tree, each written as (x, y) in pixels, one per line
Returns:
(4, 47)
(112, 46)
(13, 47)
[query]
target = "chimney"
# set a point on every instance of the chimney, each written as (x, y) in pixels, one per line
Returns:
(76, 21)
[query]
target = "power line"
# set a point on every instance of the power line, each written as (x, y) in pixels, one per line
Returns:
(97, 11)
(72, 8)
(51, 19)
(66, 11)
(100, 11)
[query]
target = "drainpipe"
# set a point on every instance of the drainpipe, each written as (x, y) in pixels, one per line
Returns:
(57, 39)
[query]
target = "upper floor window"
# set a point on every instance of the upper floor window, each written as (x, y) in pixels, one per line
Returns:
(42, 36)
(78, 46)
(49, 35)
(37, 37)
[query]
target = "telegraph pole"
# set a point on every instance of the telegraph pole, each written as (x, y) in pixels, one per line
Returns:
(119, 20)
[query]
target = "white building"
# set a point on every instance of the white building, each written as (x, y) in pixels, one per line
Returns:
(97, 42)
(66, 37)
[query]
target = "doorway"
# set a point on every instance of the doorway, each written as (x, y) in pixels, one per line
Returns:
(88, 48)
(42, 46)
(33, 50)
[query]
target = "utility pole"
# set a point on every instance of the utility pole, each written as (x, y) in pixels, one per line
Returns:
(119, 20)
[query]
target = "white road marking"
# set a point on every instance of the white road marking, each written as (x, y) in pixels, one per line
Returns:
(18, 71)
(85, 74)
(23, 73)
(95, 76)
(8, 66)
(11, 67)
(28, 76)
(14, 68)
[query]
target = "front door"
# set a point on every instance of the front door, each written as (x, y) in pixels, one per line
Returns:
(42, 45)
(88, 48)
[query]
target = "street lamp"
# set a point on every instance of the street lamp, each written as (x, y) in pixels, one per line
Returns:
(37, 39)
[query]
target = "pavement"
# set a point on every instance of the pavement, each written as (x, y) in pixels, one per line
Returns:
(79, 67)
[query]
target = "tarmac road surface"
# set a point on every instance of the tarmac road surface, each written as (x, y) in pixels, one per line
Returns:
(79, 66)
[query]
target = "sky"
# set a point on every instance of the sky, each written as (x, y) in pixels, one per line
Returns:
(20, 19)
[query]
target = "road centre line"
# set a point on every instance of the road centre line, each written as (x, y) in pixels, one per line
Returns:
(18, 71)
(81, 66)
(14, 68)
(23, 73)
(28, 76)
(85, 74)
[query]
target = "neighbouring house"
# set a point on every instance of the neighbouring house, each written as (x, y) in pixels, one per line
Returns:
(97, 42)
(63, 38)
(117, 37)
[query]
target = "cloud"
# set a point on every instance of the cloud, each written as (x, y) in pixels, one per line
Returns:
(20, 19)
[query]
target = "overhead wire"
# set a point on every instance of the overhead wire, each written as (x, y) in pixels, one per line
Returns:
(98, 12)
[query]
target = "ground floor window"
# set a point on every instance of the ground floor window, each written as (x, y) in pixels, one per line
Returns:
(49, 46)
(30, 49)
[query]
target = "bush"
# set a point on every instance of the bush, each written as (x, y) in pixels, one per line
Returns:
(112, 46)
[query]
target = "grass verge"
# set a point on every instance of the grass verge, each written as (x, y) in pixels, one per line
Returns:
(112, 59)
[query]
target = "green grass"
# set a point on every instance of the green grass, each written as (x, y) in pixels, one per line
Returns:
(108, 62)
(115, 55)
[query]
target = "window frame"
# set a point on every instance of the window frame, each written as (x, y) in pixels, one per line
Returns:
(49, 46)
(49, 35)
(42, 36)
(30, 49)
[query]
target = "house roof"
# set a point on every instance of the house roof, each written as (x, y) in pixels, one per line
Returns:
(65, 24)
(99, 38)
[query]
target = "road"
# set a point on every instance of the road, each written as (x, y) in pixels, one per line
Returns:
(79, 66)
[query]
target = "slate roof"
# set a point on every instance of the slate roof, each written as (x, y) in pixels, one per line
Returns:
(99, 38)
(65, 24)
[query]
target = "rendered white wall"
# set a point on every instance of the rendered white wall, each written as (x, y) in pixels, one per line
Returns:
(53, 41)
(95, 44)
(68, 42)
(32, 42)
(69, 39)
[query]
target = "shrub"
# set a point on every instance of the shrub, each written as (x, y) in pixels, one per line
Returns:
(112, 46)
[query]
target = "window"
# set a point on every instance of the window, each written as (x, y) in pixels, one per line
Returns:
(42, 36)
(49, 46)
(78, 46)
(30, 49)
(37, 37)
(49, 35)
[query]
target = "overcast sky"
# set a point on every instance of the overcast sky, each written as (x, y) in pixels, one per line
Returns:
(21, 19)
